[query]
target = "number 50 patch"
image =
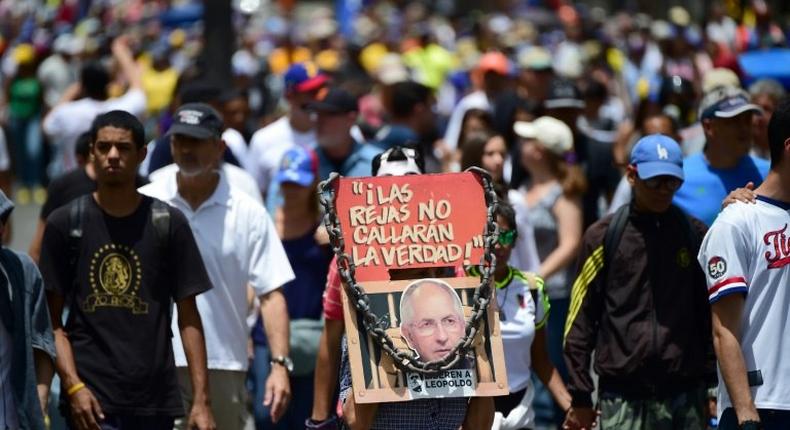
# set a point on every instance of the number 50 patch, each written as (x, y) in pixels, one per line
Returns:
(717, 267)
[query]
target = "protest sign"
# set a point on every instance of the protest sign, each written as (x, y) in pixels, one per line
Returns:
(374, 375)
(408, 236)
(392, 223)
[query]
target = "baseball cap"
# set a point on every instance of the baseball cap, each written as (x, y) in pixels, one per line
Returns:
(303, 77)
(657, 155)
(719, 77)
(494, 62)
(550, 132)
(335, 100)
(299, 165)
(197, 120)
(726, 102)
(563, 94)
(536, 58)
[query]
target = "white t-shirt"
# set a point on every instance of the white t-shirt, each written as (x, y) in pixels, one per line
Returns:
(237, 177)
(474, 100)
(268, 145)
(239, 246)
(747, 251)
(520, 316)
(238, 146)
(65, 123)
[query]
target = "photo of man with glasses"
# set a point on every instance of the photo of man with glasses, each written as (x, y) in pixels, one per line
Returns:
(432, 319)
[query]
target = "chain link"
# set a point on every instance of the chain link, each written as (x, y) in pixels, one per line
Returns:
(376, 326)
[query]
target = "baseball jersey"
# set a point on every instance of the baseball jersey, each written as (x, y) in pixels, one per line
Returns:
(747, 251)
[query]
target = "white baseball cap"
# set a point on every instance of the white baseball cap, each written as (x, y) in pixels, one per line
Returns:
(550, 132)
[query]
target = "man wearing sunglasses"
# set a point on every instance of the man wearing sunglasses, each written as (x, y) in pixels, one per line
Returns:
(639, 303)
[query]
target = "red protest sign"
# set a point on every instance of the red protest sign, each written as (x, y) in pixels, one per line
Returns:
(409, 222)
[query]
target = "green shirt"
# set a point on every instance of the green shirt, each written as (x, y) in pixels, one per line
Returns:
(25, 97)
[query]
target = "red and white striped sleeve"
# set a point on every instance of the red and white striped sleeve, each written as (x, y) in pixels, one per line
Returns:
(723, 257)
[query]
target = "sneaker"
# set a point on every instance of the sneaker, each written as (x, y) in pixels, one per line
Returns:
(23, 196)
(39, 195)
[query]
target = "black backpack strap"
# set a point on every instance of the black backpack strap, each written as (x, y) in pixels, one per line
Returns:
(614, 232)
(691, 233)
(160, 218)
(76, 222)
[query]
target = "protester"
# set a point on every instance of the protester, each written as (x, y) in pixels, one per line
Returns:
(725, 163)
(239, 247)
(551, 201)
(490, 78)
(25, 105)
(765, 93)
(747, 271)
(523, 313)
(67, 187)
(81, 103)
(487, 152)
(27, 347)
(120, 260)
(638, 303)
(306, 245)
(297, 127)
(448, 413)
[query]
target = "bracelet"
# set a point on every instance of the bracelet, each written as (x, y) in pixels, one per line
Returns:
(74, 388)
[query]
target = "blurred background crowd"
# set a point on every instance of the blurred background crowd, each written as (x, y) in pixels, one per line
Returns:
(450, 78)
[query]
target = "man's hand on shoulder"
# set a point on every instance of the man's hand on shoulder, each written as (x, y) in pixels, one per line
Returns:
(744, 194)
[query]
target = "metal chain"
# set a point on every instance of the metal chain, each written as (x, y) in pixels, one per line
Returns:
(375, 326)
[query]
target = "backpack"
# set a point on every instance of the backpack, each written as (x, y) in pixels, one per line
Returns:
(160, 217)
(614, 232)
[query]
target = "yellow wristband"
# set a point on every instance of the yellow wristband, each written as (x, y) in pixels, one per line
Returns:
(74, 388)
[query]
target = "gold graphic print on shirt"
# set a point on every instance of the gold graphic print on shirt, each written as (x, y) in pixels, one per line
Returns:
(115, 277)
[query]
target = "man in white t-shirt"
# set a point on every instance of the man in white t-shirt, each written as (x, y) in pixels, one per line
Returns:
(70, 118)
(239, 247)
(490, 76)
(267, 145)
(746, 258)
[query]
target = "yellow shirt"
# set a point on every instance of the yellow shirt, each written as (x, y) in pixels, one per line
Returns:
(158, 88)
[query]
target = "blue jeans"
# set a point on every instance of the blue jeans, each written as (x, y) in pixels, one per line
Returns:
(546, 411)
(28, 150)
(301, 405)
(772, 419)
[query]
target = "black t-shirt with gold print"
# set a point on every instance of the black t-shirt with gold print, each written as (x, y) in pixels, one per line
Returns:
(120, 306)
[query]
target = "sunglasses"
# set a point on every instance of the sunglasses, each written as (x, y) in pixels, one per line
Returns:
(507, 237)
(668, 182)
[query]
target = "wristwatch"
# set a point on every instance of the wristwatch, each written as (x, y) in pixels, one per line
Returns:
(283, 361)
(751, 425)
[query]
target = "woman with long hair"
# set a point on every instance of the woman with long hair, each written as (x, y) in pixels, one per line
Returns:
(551, 200)
(487, 151)
(298, 224)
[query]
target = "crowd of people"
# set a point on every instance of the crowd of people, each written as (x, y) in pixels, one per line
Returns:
(180, 275)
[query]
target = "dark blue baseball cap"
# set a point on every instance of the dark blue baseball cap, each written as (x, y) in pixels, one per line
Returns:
(726, 102)
(299, 165)
(657, 155)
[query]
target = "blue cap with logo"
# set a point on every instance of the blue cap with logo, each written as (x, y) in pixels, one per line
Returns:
(299, 165)
(304, 77)
(657, 155)
(726, 102)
